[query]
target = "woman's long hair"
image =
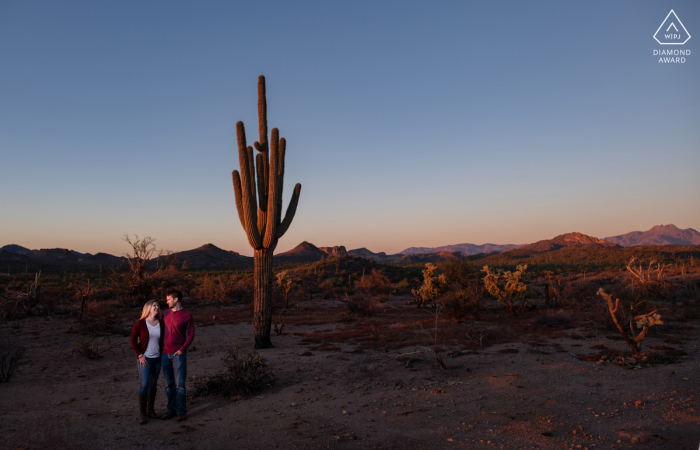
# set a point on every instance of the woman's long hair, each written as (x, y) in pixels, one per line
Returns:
(147, 310)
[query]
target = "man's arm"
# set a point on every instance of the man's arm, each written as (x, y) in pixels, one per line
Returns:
(190, 335)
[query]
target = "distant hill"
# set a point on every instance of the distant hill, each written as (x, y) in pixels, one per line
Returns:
(338, 250)
(210, 256)
(382, 257)
(568, 240)
(467, 249)
(13, 248)
(658, 235)
(304, 252)
(367, 254)
(19, 259)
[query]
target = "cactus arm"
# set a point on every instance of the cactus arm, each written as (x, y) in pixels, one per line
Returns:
(251, 173)
(248, 201)
(262, 198)
(262, 112)
(280, 172)
(291, 210)
(272, 195)
(239, 201)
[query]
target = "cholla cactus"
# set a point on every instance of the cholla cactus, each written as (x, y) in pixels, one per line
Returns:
(507, 287)
(644, 322)
(432, 286)
(286, 283)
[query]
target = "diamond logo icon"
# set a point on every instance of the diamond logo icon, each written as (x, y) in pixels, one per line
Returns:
(672, 31)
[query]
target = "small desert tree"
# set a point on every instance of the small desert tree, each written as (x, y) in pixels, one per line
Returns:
(643, 322)
(507, 287)
(433, 284)
(286, 283)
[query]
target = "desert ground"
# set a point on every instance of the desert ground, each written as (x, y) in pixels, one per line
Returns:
(510, 383)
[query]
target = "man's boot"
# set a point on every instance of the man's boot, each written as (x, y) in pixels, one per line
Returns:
(150, 409)
(168, 415)
(142, 409)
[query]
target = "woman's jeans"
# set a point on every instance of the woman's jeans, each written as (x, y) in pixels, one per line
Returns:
(175, 374)
(148, 376)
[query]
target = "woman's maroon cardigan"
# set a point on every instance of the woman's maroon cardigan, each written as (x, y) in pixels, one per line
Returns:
(140, 336)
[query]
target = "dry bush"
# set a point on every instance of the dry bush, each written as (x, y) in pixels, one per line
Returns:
(10, 357)
(358, 305)
(461, 304)
(326, 288)
(374, 283)
(432, 351)
(459, 272)
(212, 289)
(241, 375)
(403, 286)
(93, 347)
(242, 289)
(651, 282)
(151, 273)
(101, 318)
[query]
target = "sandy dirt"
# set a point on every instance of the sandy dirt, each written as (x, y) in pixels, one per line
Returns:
(533, 393)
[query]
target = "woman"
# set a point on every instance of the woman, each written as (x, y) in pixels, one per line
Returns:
(147, 342)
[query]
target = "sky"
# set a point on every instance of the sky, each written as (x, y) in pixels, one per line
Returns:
(408, 123)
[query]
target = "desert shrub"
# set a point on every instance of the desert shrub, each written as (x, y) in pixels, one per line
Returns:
(241, 375)
(459, 272)
(242, 288)
(507, 287)
(557, 319)
(651, 282)
(10, 357)
(373, 283)
(101, 318)
(433, 285)
(461, 304)
(93, 346)
(326, 288)
(358, 305)
(403, 286)
(211, 289)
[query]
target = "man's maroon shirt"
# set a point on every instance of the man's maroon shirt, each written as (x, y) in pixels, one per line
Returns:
(179, 331)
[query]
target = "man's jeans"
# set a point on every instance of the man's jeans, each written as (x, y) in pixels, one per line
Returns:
(148, 376)
(175, 374)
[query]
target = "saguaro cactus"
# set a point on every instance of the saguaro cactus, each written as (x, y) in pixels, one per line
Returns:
(261, 214)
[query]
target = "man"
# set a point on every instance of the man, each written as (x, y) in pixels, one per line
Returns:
(179, 334)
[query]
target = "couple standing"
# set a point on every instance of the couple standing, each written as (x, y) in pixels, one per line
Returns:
(161, 339)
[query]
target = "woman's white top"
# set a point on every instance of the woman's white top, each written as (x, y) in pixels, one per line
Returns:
(153, 349)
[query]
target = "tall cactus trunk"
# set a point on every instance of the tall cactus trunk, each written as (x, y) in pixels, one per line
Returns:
(262, 305)
(261, 214)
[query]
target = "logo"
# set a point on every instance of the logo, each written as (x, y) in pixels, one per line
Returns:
(672, 31)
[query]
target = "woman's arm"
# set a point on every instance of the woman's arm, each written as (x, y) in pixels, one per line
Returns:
(134, 338)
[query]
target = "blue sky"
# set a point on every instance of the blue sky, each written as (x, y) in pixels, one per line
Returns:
(407, 123)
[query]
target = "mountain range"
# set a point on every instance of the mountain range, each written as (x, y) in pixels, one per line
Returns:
(209, 256)
(467, 249)
(658, 235)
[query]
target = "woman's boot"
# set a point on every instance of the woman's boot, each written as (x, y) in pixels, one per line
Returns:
(150, 409)
(142, 409)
